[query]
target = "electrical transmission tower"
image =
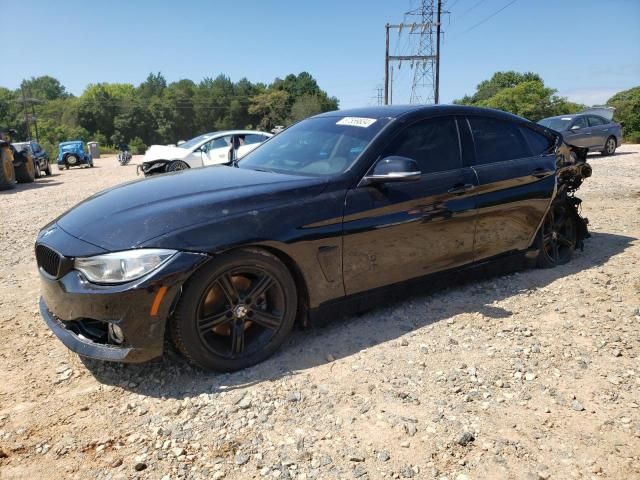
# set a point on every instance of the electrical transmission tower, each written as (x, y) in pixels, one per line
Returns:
(425, 62)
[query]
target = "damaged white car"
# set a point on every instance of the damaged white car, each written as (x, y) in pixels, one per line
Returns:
(207, 149)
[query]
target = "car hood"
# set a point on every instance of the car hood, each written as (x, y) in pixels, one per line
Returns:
(131, 214)
(165, 152)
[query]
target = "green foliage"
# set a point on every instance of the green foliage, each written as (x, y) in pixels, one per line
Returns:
(523, 94)
(632, 137)
(158, 112)
(137, 146)
(44, 88)
(272, 106)
(305, 106)
(627, 105)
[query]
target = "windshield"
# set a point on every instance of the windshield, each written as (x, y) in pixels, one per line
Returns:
(559, 124)
(317, 146)
(195, 141)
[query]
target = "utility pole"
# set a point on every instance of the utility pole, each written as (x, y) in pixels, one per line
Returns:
(426, 61)
(386, 67)
(26, 114)
(437, 93)
(391, 88)
(33, 114)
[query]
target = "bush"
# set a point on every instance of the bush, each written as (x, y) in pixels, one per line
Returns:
(632, 137)
(137, 146)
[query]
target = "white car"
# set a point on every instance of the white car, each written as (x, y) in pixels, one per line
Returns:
(207, 149)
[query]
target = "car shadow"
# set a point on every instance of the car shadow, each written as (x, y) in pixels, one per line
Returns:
(47, 181)
(172, 377)
(616, 154)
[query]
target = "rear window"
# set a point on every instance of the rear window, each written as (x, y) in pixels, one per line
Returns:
(539, 143)
(497, 140)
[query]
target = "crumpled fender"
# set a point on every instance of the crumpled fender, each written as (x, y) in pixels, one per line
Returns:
(152, 167)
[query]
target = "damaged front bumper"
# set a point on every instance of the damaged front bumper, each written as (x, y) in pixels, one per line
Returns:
(153, 167)
(123, 322)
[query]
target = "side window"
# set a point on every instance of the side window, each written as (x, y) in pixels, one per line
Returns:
(217, 143)
(432, 143)
(252, 138)
(596, 121)
(580, 122)
(497, 140)
(539, 143)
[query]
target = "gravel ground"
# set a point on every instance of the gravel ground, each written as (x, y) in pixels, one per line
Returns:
(531, 375)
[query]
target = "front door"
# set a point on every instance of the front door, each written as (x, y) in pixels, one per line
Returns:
(579, 133)
(397, 231)
(217, 150)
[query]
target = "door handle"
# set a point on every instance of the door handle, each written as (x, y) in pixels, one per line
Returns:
(459, 188)
(540, 173)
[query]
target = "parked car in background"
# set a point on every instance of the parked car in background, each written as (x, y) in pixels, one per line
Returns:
(593, 129)
(208, 149)
(16, 166)
(73, 154)
(326, 213)
(40, 156)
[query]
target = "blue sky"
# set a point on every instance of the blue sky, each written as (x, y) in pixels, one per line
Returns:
(587, 49)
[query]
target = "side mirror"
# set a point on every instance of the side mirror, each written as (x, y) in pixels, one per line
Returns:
(576, 127)
(393, 169)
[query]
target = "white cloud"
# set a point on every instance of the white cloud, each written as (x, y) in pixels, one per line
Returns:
(590, 96)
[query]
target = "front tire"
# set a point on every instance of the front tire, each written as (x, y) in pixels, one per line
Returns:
(47, 170)
(235, 311)
(610, 146)
(38, 172)
(557, 238)
(177, 165)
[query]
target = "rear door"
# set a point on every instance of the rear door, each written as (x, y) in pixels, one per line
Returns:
(515, 165)
(398, 231)
(600, 130)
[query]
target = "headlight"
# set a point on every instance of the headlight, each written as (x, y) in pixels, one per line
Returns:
(120, 267)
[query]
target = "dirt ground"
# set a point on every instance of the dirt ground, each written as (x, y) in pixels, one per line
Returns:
(531, 375)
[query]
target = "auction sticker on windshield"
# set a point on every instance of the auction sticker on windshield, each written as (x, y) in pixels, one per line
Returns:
(356, 122)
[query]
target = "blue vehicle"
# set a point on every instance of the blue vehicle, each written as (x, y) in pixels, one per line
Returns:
(73, 154)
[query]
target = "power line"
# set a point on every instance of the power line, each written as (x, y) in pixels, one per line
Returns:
(490, 16)
(469, 9)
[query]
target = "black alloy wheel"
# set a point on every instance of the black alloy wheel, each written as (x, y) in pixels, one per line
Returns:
(177, 165)
(236, 311)
(558, 236)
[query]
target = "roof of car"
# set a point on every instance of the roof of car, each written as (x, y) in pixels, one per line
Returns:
(570, 116)
(69, 142)
(396, 111)
(234, 132)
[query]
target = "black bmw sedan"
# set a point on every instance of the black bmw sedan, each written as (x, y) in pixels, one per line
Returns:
(225, 259)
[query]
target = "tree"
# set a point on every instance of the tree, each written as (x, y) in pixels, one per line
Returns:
(305, 106)
(153, 86)
(272, 106)
(627, 105)
(523, 94)
(44, 88)
(157, 112)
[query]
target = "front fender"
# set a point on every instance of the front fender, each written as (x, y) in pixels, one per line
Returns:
(154, 167)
